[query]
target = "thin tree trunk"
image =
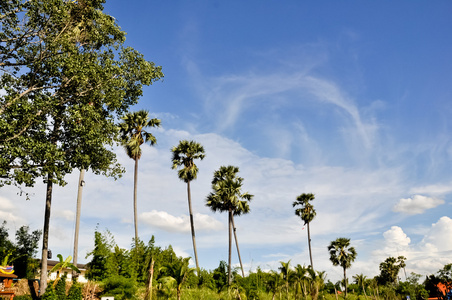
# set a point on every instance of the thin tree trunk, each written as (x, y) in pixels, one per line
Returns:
(192, 224)
(135, 214)
(364, 290)
(81, 183)
(237, 244)
(230, 244)
(345, 283)
(309, 244)
(148, 295)
(335, 292)
(45, 235)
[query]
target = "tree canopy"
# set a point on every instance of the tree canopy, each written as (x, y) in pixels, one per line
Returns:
(66, 77)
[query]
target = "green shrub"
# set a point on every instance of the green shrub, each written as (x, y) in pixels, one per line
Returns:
(23, 297)
(120, 287)
(75, 292)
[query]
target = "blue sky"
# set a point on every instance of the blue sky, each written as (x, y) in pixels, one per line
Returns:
(346, 100)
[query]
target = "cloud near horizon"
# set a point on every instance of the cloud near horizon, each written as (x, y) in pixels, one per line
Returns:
(170, 223)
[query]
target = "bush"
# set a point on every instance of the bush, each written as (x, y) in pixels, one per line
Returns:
(120, 287)
(75, 292)
(23, 297)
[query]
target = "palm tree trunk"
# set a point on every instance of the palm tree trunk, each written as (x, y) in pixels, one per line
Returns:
(45, 235)
(237, 244)
(192, 224)
(345, 283)
(135, 187)
(309, 244)
(77, 217)
(230, 244)
(364, 290)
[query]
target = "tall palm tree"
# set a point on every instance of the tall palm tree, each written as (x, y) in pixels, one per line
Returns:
(341, 254)
(183, 156)
(133, 133)
(307, 213)
(227, 196)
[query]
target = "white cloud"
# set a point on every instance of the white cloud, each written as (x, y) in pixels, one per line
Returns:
(438, 238)
(68, 215)
(395, 237)
(416, 205)
(167, 222)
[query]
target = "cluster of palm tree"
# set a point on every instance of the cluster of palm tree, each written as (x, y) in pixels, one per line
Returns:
(226, 195)
(297, 283)
(341, 254)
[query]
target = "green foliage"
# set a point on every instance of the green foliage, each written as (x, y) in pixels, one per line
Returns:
(66, 77)
(100, 266)
(220, 276)
(60, 287)
(23, 297)
(49, 294)
(412, 288)
(75, 292)
(120, 287)
(389, 270)
(21, 253)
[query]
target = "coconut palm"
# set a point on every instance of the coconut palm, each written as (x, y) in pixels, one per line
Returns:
(317, 281)
(286, 274)
(183, 156)
(133, 133)
(307, 213)
(177, 274)
(360, 280)
(227, 196)
(341, 254)
(300, 277)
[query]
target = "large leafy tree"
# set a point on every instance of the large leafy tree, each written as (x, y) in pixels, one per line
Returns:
(341, 254)
(65, 78)
(307, 213)
(389, 270)
(227, 196)
(184, 155)
(133, 132)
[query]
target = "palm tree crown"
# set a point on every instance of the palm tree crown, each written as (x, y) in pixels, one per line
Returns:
(133, 132)
(306, 212)
(226, 186)
(341, 254)
(184, 155)
(227, 196)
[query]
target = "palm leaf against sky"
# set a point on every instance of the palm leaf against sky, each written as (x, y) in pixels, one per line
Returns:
(227, 196)
(341, 254)
(183, 156)
(133, 133)
(307, 214)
